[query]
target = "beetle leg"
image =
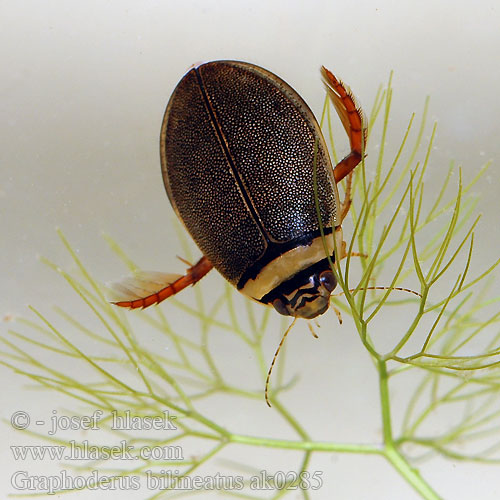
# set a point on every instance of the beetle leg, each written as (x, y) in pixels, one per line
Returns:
(351, 117)
(185, 261)
(358, 254)
(346, 204)
(337, 313)
(148, 288)
(341, 246)
(311, 329)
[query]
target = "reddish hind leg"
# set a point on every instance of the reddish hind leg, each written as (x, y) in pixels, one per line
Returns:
(147, 288)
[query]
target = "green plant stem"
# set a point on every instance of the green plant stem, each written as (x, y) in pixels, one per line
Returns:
(391, 452)
(307, 445)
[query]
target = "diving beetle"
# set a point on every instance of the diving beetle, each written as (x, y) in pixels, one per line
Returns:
(247, 170)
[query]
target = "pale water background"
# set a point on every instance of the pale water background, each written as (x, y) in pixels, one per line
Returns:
(83, 89)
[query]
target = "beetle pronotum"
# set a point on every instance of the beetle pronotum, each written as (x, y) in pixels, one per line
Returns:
(243, 160)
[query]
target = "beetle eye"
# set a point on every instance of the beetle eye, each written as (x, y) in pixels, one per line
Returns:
(327, 279)
(280, 306)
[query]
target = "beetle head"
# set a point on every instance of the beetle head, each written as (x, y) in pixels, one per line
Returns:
(309, 297)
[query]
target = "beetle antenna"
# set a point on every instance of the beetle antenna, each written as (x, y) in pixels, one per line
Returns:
(266, 392)
(381, 288)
